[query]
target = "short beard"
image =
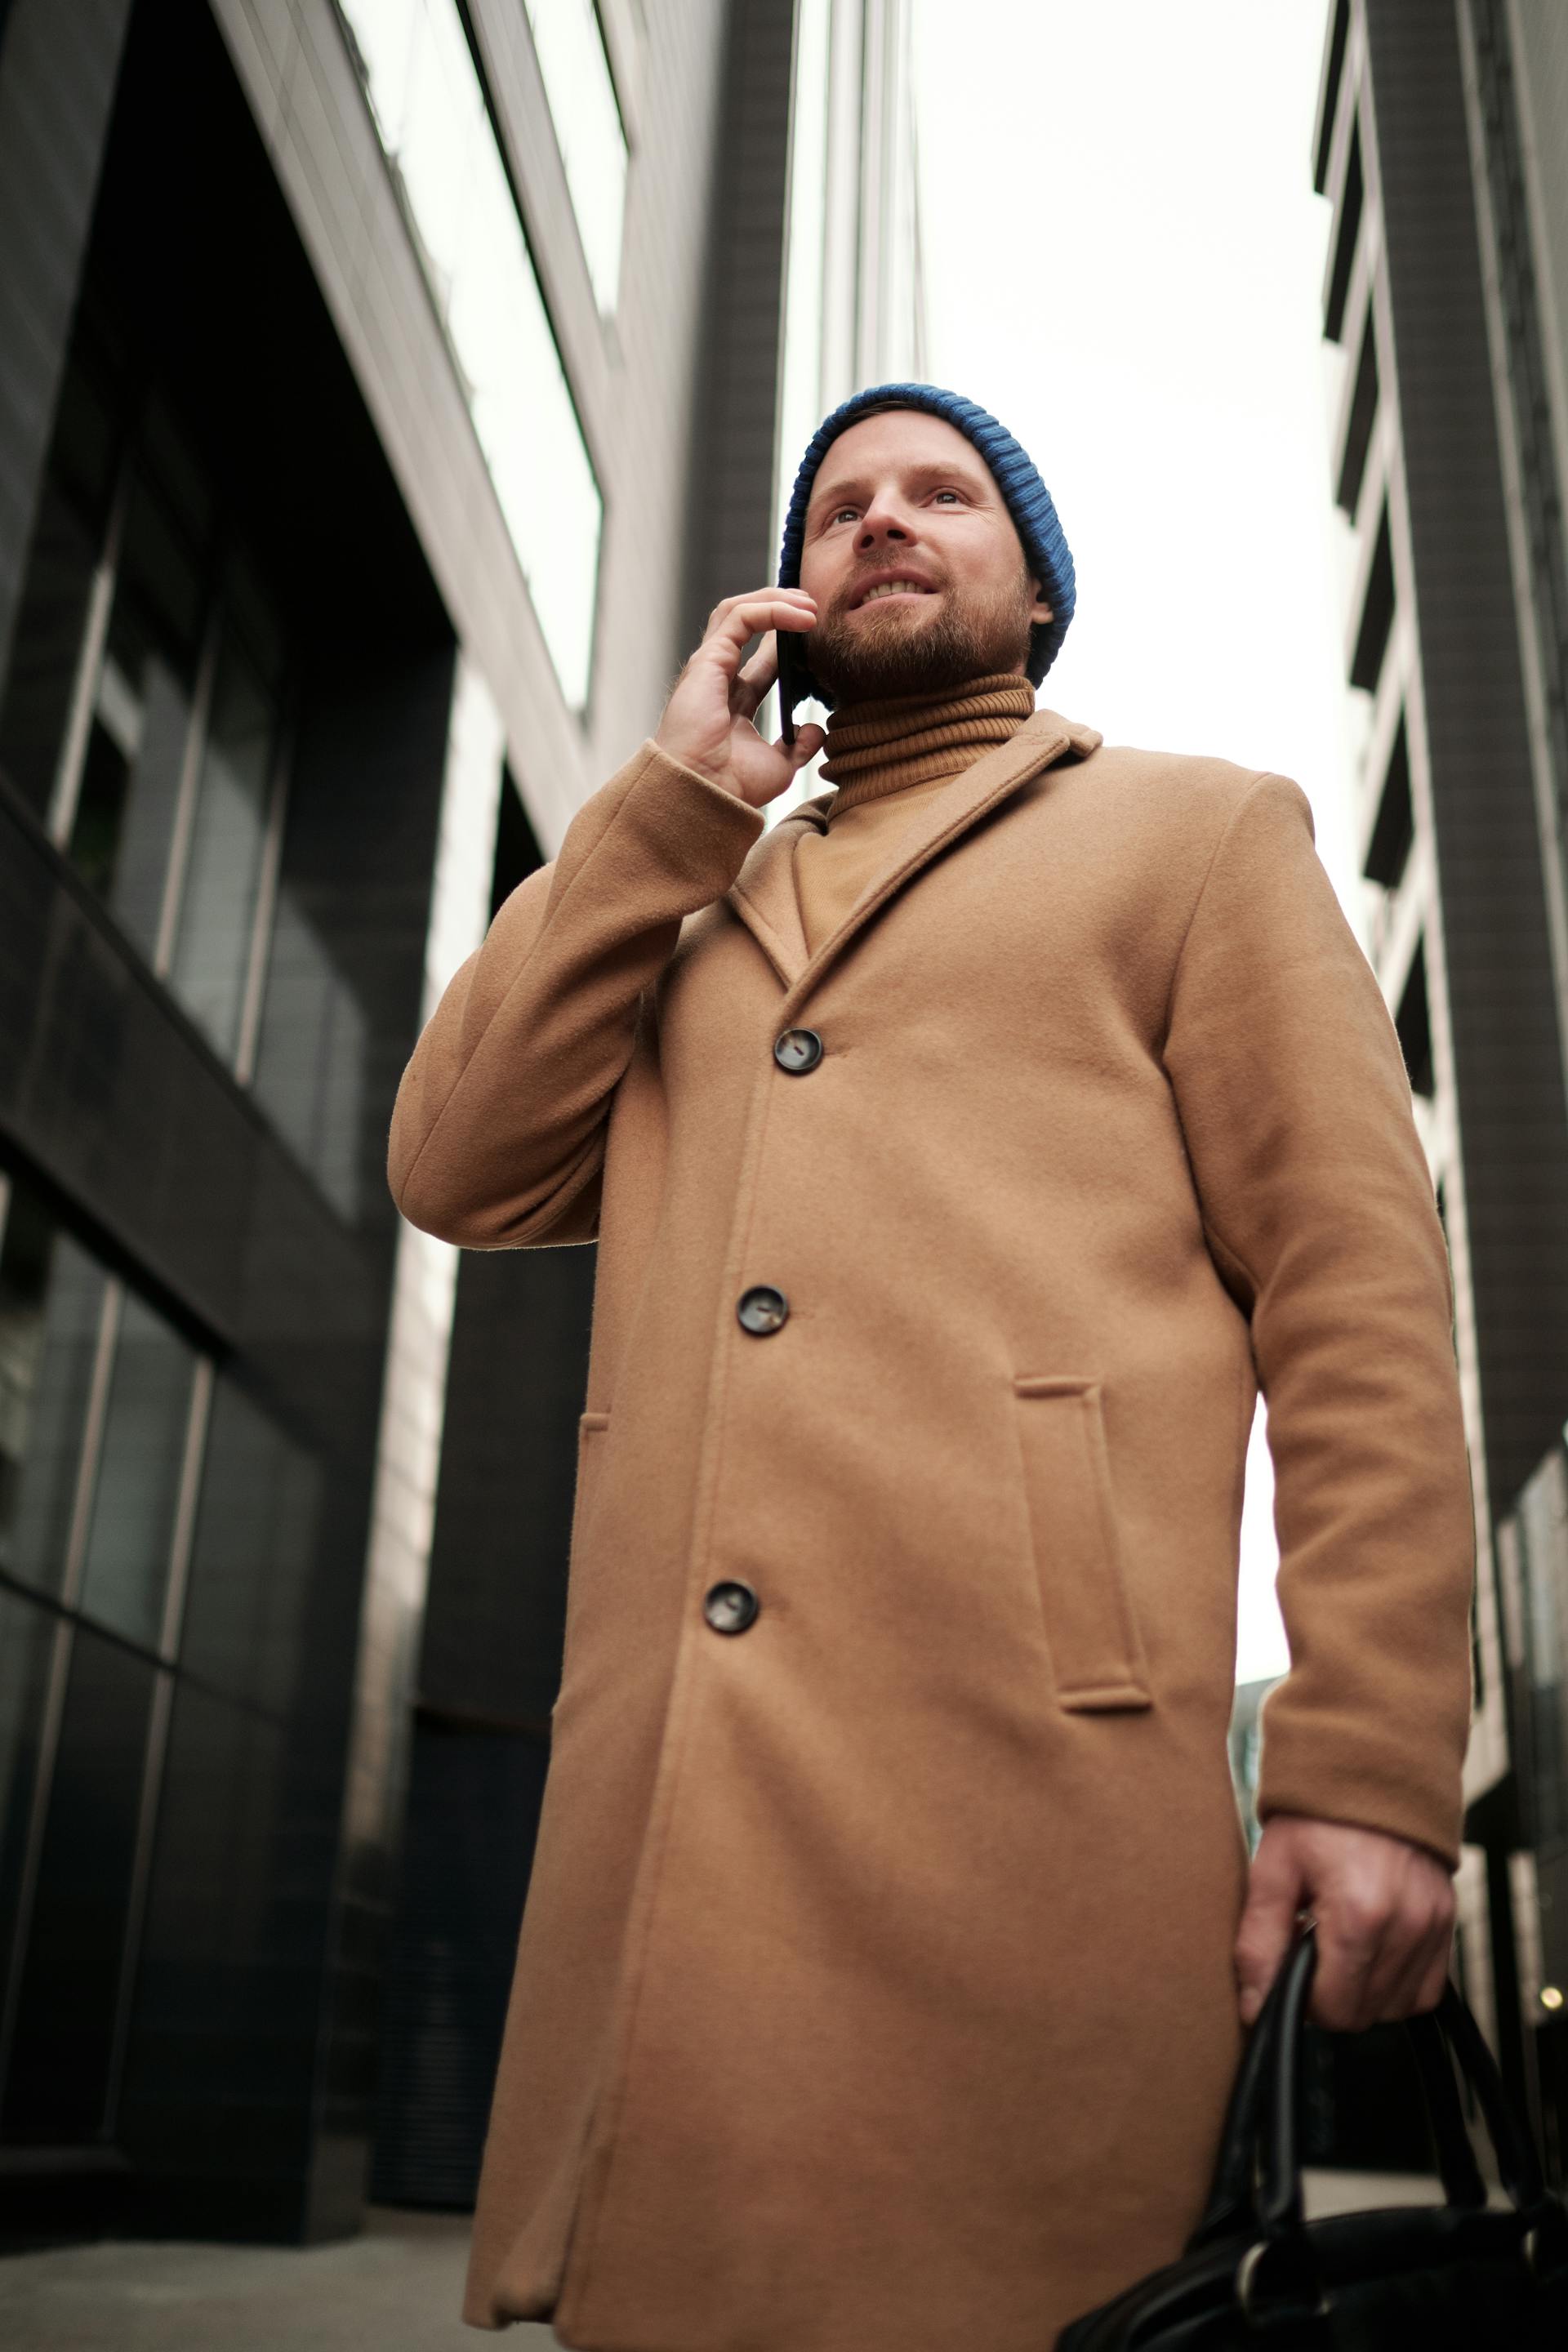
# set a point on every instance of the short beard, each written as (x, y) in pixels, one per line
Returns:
(978, 640)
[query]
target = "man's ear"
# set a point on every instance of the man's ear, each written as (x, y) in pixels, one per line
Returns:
(1042, 611)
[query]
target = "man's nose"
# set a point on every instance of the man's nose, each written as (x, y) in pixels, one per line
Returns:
(881, 525)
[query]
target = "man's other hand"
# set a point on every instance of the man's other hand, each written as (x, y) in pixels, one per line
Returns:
(1384, 1910)
(707, 722)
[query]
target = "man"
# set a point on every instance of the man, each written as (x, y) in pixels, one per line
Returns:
(962, 1152)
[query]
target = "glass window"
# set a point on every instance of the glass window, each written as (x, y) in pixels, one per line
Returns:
(52, 618)
(252, 1554)
(128, 798)
(210, 967)
(97, 1429)
(430, 110)
(143, 714)
(60, 2080)
(222, 1932)
(95, 1405)
(310, 1058)
(52, 1297)
(574, 66)
(136, 1489)
(27, 1643)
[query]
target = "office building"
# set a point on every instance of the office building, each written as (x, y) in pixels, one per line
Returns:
(1438, 143)
(854, 298)
(386, 388)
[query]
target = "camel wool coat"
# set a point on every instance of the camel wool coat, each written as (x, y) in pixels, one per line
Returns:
(875, 1991)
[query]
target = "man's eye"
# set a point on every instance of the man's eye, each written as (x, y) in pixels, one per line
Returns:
(947, 494)
(850, 511)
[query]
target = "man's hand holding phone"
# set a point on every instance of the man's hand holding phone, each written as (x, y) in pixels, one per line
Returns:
(708, 720)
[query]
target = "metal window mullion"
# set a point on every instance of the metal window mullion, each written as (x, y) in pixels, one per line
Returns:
(181, 1540)
(91, 1441)
(89, 661)
(154, 1755)
(186, 797)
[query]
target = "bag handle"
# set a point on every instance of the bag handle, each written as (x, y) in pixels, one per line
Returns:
(1518, 2162)
(1457, 2165)
(1262, 2117)
(1232, 2203)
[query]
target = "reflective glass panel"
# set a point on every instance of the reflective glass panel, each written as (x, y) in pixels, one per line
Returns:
(27, 1643)
(136, 1490)
(430, 110)
(228, 837)
(59, 2082)
(252, 1554)
(51, 622)
(309, 1063)
(129, 794)
(51, 1311)
(574, 66)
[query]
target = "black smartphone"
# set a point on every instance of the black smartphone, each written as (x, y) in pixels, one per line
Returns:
(790, 688)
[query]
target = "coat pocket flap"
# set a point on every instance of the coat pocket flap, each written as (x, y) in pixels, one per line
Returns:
(1097, 1654)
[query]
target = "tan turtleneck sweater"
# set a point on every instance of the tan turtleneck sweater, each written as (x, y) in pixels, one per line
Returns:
(888, 758)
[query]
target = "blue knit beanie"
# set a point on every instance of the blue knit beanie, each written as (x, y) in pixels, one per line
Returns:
(1026, 498)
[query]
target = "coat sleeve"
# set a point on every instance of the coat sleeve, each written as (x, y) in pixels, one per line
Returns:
(1318, 1207)
(497, 1136)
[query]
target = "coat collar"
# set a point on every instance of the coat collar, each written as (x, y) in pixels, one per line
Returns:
(763, 894)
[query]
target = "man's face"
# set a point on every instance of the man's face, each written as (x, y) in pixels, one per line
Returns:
(916, 569)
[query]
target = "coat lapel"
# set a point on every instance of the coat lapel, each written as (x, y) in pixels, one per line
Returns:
(763, 893)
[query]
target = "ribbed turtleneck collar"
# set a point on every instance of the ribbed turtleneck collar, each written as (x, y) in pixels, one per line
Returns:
(878, 747)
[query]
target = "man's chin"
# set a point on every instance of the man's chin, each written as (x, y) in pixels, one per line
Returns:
(901, 648)
(891, 613)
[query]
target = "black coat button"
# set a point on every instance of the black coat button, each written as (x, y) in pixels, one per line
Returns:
(763, 1309)
(730, 1608)
(797, 1051)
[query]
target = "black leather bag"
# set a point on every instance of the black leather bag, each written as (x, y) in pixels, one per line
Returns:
(1455, 2277)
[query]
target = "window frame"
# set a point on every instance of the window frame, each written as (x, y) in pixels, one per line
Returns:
(76, 738)
(60, 1610)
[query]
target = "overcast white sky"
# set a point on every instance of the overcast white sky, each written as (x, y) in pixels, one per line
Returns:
(1124, 261)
